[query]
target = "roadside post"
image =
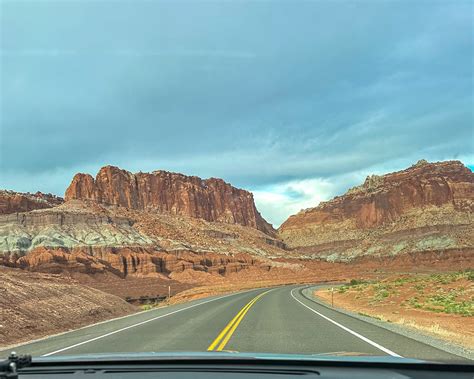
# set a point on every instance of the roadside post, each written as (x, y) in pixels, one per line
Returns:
(332, 297)
(169, 293)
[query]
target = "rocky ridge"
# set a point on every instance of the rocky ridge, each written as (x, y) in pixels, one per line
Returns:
(12, 202)
(165, 192)
(86, 237)
(108, 228)
(427, 207)
(141, 225)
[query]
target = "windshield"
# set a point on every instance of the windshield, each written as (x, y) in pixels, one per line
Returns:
(291, 178)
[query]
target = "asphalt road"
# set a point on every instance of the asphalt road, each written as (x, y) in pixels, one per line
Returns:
(278, 320)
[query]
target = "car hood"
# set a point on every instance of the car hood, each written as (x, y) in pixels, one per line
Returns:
(224, 355)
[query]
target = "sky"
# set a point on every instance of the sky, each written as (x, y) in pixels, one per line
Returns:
(296, 101)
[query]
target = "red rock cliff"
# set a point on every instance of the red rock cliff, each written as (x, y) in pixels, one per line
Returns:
(210, 199)
(426, 196)
(383, 199)
(12, 202)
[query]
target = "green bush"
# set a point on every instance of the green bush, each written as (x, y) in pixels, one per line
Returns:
(342, 289)
(355, 282)
(382, 294)
(447, 303)
(414, 302)
(419, 287)
(470, 275)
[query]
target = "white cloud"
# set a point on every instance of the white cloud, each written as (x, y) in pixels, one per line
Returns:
(279, 201)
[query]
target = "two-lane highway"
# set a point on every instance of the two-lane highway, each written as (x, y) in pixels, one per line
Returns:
(275, 320)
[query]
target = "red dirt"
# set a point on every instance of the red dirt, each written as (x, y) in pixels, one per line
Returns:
(35, 305)
(131, 287)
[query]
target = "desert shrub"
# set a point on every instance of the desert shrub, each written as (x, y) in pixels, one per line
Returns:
(470, 275)
(444, 278)
(419, 287)
(400, 280)
(342, 289)
(447, 303)
(382, 294)
(414, 303)
(355, 282)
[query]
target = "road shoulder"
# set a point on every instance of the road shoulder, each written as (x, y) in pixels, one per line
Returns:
(308, 293)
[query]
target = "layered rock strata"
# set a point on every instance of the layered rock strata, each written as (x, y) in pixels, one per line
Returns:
(166, 192)
(427, 207)
(11, 202)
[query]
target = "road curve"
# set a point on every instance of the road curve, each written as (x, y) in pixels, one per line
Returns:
(275, 320)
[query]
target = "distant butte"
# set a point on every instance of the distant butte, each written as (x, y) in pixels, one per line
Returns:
(172, 193)
(427, 207)
(12, 202)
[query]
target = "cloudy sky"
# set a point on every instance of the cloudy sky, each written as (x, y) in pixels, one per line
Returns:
(294, 100)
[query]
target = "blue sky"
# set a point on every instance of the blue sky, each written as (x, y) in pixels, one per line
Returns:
(294, 100)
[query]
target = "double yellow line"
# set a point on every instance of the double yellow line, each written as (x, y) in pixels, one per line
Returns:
(219, 343)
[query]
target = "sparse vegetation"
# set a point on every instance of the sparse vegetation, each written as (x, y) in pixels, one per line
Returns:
(342, 289)
(440, 303)
(147, 307)
(381, 292)
(414, 302)
(444, 299)
(470, 275)
(355, 282)
(450, 303)
(419, 287)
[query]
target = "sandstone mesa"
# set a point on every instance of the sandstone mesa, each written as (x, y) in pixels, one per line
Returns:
(161, 224)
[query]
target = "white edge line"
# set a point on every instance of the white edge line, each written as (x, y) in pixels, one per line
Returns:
(365, 339)
(41, 339)
(138, 324)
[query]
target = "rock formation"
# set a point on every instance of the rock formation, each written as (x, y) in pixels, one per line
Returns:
(138, 225)
(130, 262)
(164, 225)
(166, 192)
(89, 238)
(11, 202)
(22, 232)
(427, 207)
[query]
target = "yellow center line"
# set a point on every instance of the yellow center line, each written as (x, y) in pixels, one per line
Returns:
(229, 325)
(226, 333)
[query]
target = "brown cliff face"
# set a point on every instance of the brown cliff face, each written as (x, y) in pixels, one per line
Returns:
(383, 199)
(89, 238)
(128, 262)
(161, 191)
(12, 202)
(409, 202)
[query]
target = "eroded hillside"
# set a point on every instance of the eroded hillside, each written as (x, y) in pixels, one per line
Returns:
(34, 305)
(425, 208)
